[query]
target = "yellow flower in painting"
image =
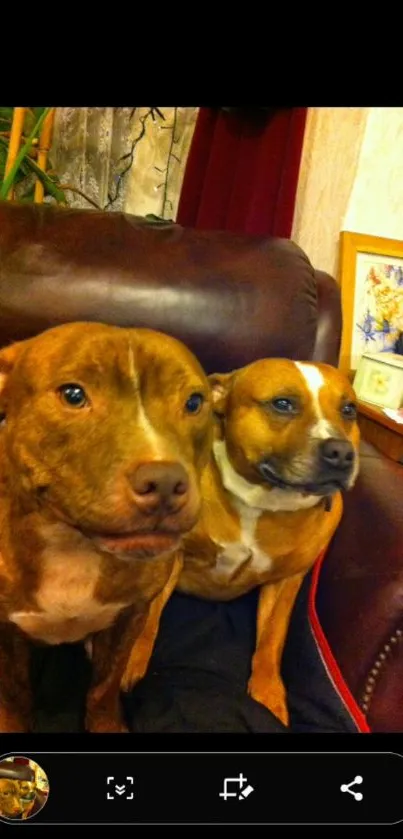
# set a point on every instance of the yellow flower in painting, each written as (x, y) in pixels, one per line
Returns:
(385, 300)
(379, 383)
(387, 303)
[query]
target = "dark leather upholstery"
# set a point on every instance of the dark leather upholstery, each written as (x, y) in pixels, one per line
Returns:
(361, 591)
(209, 289)
(328, 332)
(16, 771)
(232, 299)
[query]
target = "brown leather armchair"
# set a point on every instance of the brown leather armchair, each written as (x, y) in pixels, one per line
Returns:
(232, 299)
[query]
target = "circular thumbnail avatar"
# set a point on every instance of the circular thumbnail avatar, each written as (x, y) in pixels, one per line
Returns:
(24, 788)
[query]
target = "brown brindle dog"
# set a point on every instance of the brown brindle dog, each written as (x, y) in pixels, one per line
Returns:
(286, 446)
(104, 435)
(10, 803)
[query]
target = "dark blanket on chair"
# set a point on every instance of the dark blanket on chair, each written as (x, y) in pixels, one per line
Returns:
(198, 674)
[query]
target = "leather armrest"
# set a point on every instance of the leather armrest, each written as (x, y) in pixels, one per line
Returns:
(360, 595)
(328, 335)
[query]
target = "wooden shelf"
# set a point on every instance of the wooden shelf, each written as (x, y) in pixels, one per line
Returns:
(380, 430)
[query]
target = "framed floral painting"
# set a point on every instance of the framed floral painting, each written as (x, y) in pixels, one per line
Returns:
(371, 271)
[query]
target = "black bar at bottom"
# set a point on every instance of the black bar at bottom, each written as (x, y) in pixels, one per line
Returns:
(227, 788)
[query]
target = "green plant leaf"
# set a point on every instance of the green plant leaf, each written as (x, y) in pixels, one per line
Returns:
(6, 115)
(23, 170)
(50, 185)
(9, 180)
(32, 115)
(26, 167)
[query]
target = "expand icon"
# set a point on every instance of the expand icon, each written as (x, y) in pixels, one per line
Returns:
(120, 789)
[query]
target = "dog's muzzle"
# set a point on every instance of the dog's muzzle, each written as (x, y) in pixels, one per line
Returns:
(332, 472)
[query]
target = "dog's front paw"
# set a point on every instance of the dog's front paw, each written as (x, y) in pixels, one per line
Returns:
(276, 704)
(278, 707)
(12, 723)
(271, 694)
(103, 724)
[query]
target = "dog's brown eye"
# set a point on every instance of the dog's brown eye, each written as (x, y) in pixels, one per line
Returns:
(74, 395)
(349, 410)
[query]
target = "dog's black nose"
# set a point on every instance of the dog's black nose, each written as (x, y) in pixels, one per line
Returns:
(338, 454)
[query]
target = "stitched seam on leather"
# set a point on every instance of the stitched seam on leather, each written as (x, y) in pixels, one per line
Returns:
(378, 669)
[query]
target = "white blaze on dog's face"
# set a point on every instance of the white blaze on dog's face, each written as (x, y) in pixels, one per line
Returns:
(286, 427)
(107, 429)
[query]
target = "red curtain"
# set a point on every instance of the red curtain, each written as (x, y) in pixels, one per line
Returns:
(242, 171)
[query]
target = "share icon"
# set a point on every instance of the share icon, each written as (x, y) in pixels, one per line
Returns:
(347, 788)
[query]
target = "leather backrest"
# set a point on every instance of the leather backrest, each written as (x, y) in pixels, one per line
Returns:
(231, 298)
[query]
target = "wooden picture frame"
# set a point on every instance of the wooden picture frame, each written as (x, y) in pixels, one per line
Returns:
(371, 279)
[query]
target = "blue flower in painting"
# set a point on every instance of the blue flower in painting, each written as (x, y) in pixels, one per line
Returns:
(388, 335)
(399, 276)
(385, 328)
(385, 331)
(367, 327)
(393, 272)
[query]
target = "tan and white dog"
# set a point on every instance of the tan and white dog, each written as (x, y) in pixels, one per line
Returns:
(286, 446)
(104, 435)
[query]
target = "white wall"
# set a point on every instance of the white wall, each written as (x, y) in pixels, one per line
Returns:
(376, 201)
(351, 178)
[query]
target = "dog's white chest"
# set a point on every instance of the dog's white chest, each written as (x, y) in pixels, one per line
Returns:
(236, 554)
(67, 608)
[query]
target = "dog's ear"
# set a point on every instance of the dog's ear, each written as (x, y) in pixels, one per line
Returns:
(8, 357)
(220, 384)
